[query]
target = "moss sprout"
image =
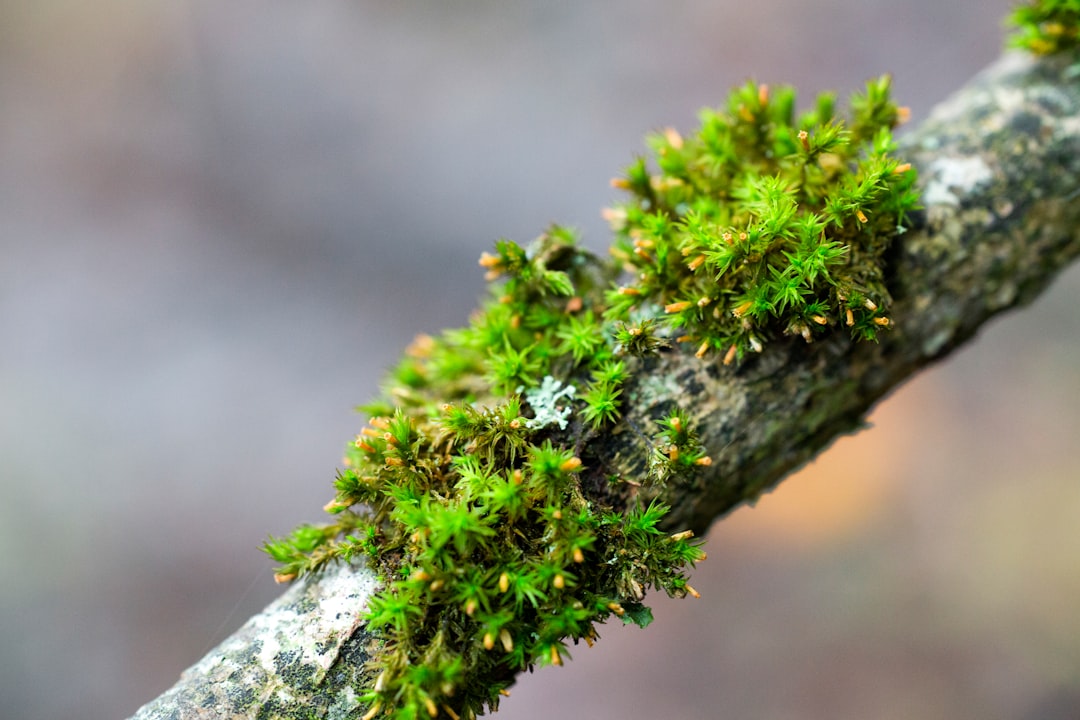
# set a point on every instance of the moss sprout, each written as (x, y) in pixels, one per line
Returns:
(1046, 27)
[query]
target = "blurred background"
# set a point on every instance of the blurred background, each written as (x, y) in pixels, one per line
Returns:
(220, 222)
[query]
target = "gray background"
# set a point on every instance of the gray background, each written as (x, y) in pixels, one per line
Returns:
(220, 221)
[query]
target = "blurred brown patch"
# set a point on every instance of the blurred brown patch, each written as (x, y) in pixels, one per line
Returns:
(839, 495)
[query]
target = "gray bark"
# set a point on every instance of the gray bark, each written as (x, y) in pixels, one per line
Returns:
(999, 168)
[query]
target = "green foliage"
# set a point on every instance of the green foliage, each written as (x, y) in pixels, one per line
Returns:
(675, 448)
(465, 491)
(602, 396)
(1045, 27)
(494, 559)
(761, 224)
(638, 339)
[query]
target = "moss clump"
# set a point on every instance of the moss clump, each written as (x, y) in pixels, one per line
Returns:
(1045, 27)
(761, 224)
(498, 544)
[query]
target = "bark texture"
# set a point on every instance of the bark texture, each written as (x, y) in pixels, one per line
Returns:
(999, 168)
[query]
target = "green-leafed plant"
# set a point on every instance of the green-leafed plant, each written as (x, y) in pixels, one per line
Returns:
(1046, 26)
(466, 490)
(762, 223)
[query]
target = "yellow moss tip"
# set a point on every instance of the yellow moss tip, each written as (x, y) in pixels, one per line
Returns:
(673, 137)
(281, 578)
(421, 346)
(677, 307)
(692, 592)
(571, 465)
(613, 214)
(729, 356)
(370, 714)
(555, 659)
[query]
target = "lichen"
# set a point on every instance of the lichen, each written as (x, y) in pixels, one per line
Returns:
(544, 403)
(950, 178)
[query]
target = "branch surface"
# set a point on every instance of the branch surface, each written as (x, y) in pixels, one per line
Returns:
(999, 168)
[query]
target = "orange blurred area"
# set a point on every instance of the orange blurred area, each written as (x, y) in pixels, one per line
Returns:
(838, 495)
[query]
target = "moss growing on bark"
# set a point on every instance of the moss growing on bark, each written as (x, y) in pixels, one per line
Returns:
(1045, 27)
(497, 543)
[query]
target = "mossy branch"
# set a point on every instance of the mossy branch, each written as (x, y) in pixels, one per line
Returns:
(999, 168)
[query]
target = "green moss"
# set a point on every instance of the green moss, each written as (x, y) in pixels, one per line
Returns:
(465, 490)
(761, 224)
(1045, 27)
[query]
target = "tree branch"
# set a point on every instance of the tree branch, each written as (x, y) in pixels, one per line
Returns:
(999, 168)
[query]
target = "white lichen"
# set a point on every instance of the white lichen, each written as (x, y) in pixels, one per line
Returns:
(544, 401)
(953, 177)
